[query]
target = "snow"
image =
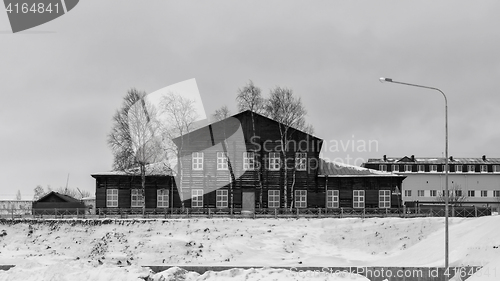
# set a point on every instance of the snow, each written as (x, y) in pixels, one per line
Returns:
(122, 249)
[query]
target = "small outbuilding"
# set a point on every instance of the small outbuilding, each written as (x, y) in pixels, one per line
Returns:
(55, 203)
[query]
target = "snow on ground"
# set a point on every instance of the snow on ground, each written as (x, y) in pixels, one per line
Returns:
(117, 248)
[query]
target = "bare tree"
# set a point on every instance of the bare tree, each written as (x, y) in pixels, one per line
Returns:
(18, 195)
(283, 107)
(179, 116)
(250, 98)
(456, 195)
(134, 138)
(221, 113)
(39, 192)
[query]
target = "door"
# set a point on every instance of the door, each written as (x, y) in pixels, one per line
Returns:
(248, 201)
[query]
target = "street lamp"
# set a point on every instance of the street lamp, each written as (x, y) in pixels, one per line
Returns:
(446, 236)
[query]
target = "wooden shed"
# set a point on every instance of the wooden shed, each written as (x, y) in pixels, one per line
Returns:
(55, 203)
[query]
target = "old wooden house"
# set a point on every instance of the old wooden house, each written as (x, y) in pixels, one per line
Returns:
(56, 203)
(244, 162)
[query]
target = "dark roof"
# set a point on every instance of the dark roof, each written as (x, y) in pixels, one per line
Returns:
(336, 169)
(434, 160)
(154, 169)
(63, 197)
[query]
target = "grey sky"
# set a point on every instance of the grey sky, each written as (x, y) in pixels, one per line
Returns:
(61, 82)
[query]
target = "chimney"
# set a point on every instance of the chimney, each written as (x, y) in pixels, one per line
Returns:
(413, 158)
(451, 158)
(385, 158)
(484, 157)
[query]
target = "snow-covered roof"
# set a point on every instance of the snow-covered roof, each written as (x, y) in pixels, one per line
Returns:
(337, 169)
(435, 160)
(154, 169)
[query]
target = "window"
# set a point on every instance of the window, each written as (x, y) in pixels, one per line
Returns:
(421, 168)
(274, 161)
(395, 168)
(484, 193)
(197, 160)
(458, 193)
(384, 198)
(471, 168)
(332, 198)
(471, 193)
(408, 168)
(273, 200)
(162, 198)
(433, 168)
(300, 161)
(458, 168)
(300, 198)
(221, 161)
(221, 195)
(112, 198)
(420, 193)
(434, 193)
(444, 168)
(358, 200)
(248, 160)
(137, 198)
(484, 168)
(197, 198)
(496, 193)
(407, 193)
(496, 168)
(382, 168)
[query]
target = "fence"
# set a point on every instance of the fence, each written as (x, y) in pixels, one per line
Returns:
(434, 211)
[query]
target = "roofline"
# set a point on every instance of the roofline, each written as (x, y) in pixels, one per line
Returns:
(359, 176)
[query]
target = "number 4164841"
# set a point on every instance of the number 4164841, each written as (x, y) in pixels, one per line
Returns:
(32, 8)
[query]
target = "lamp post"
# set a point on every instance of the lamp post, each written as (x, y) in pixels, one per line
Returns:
(446, 234)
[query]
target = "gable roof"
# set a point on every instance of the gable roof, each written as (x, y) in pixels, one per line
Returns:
(63, 197)
(434, 160)
(337, 169)
(239, 116)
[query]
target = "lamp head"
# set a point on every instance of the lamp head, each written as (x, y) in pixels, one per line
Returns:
(382, 79)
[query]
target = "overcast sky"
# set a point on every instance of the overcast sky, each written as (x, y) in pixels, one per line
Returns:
(61, 82)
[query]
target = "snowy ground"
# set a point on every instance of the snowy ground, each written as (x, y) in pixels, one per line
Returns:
(117, 249)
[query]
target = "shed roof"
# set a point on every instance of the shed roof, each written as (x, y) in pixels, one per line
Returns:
(337, 169)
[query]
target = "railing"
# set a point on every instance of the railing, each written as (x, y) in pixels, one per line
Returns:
(455, 211)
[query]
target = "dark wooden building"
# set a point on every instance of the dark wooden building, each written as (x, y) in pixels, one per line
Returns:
(57, 203)
(246, 161)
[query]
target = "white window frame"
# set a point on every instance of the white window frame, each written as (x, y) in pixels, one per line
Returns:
(496, 193)
(162, 198)
(222, 161)
(421, 168)
(136, 198)
(384, 198)
(408, 168)
(407, 192)
(332, 198)
(433, 168)
(358, 199)
(274, 161)
(382, 167)
(300, 198)
(112, 198)
(197, 161)
(484, 168)
(197, 198)
(471, 168)
(471, 193)
(444, 168)
(484, 193)
(433, 193)
(273, 198)
(458, 193)
(300, 161)
(496, 168)
(395, 168)
(458, 168)
(249, 161)
(221, 197)
(420, 193)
